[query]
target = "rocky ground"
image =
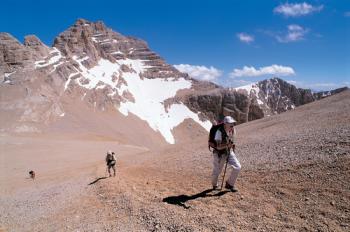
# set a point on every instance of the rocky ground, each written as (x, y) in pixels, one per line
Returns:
(295, 177)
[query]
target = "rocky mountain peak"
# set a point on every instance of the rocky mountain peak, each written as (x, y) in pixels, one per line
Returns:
(6, 39)
(12, 53)
(32, 41)
(96, 41)
(104, 70)
(254, 101)
(39, 48)
(276, 89)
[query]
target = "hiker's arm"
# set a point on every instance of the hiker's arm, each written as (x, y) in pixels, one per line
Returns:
(232, 144)
(222, 146)
(231, 140)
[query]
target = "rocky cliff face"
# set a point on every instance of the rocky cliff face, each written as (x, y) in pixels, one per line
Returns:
(247, 103)
(323, 94)
(96, 41)
(90, 64)
(94, 66)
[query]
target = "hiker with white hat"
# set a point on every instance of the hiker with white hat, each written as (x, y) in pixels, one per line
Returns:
(110, 162)
(223, 150)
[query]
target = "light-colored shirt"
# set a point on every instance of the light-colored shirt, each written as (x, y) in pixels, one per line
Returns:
(110, 157)
(231, 135)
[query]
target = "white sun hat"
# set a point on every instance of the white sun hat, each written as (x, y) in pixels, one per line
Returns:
(229, 120)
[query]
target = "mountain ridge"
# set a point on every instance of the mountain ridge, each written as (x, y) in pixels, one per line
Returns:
(120, 74)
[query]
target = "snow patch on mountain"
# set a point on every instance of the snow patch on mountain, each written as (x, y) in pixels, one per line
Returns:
(252, 90)
(52, 60)
(148, 95)
(102, 72)
(249, 88)
(260, 102)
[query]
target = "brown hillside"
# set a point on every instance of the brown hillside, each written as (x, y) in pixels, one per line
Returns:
(295, 177)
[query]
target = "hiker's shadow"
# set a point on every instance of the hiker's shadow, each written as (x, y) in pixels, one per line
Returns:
(180, 200)
(98, 179)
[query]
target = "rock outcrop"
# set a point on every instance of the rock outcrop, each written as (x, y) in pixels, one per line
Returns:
(323, 94)
(12, 53)
(96, 41)
(247, 103)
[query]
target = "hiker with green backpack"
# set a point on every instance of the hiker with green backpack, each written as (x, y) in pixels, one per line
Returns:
(221, 139)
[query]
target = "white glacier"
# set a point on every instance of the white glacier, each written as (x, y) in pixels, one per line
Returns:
(149, 95)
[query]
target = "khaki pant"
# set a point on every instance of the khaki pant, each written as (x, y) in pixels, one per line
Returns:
(109, 166)
(218, 164)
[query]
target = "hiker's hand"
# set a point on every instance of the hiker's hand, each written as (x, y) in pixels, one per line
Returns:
(230, 143)
(233, 147)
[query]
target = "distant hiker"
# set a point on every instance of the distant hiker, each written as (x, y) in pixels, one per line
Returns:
(110, 161)
(32, 174)
(221, 139)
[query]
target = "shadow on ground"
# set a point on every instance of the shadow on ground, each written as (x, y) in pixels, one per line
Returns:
(180, 200)
(98, 179)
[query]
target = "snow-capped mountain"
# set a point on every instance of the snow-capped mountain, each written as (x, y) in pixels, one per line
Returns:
(276, 95)
(100, 67)
(323, 94)
(92, 69)
(254, 101)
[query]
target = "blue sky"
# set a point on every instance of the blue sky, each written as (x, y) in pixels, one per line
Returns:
(229, 42)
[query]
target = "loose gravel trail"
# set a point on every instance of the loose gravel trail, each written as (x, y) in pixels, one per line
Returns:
(295, 177)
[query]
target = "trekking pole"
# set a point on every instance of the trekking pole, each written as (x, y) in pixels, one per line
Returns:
(223, 178)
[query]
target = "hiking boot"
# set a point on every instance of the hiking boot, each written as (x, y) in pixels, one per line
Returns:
(230, 187)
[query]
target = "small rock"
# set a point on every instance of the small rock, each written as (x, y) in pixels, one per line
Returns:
(332, 203)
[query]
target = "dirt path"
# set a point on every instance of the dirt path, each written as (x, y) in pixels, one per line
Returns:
(171, 193)
(295, 177)
(299, 198)
(60, 192)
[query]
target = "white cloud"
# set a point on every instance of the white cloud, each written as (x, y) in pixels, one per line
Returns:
(347, 14)
(296, 9)
(238, 83)
(199, 72)
(267, 70)
(325, 85)
(243, 37)
(292, 82)
(294, 33)
(320, 86)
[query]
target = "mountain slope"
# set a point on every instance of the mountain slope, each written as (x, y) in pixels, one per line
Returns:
(294, 175)
(91, 68)
(295, 171)
(103, 69)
